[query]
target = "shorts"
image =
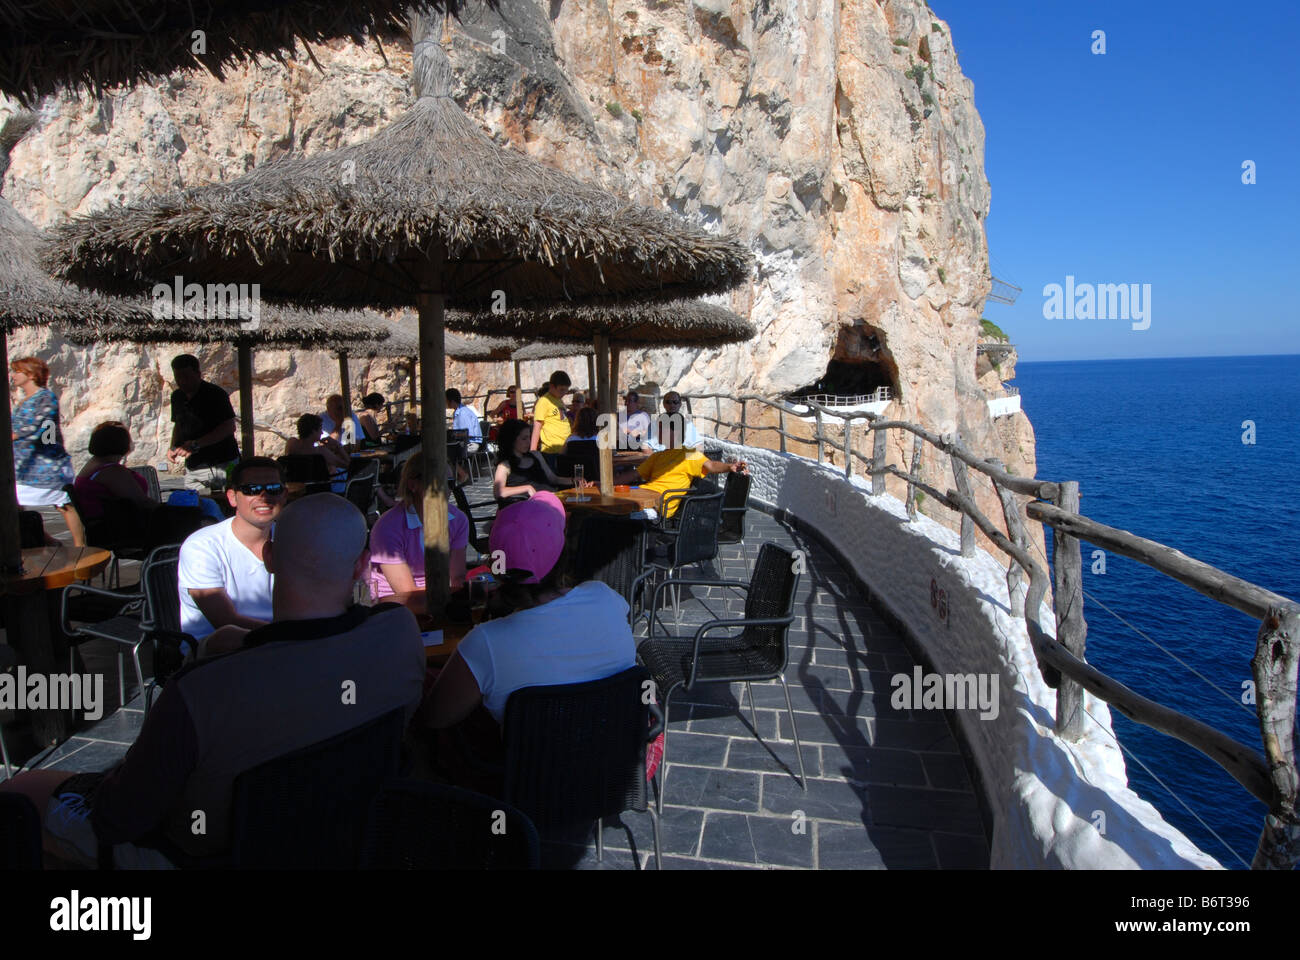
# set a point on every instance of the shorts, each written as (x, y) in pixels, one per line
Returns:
(29, 496)
(67, 823)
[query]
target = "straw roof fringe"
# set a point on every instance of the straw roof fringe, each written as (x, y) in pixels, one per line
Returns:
(355, 227)
(101, 43)
(553, 351)
(631, 325)
(402, 339)
(276, 327)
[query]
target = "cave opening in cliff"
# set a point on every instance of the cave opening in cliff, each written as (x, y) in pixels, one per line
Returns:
(859, 367)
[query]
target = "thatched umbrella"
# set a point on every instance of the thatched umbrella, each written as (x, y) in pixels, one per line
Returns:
(101, 43)
(602, 324)
(277, 327)
(555, 351)
(429, 212)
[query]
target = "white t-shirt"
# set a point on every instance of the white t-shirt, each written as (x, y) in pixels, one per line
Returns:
(583, 635)
(213, 557)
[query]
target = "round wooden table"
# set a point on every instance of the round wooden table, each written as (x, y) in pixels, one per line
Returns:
(624, 501)
(30, 603)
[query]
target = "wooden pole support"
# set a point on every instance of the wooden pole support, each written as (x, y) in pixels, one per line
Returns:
(781, 417)
(345, 385)
(431, 304)
(913, 475)
(961, 478)
(879, 455)
(848, 449)
(742, 422)
(1071, 629)
(248, 445)
(821, 439)
(11, 553)
(1277, 653)
(609, 435)
(1016, 584)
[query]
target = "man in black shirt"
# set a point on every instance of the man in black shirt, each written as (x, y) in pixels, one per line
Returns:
(204, 427)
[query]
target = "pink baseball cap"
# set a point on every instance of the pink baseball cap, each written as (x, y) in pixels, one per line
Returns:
(531, 534)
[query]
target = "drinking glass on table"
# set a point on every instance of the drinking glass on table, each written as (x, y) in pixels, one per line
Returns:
(579, 482)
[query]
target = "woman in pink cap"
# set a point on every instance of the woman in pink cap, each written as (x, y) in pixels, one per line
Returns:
(557, 632)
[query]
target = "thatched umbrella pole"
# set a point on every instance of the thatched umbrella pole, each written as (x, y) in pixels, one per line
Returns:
(613, 371)
(591, 375)
(415, 392)
(519, 394)
(345, 384)
(431, 304)
(601, 342)
(247, 442)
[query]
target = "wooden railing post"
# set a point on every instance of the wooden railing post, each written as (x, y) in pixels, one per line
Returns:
(1071, 629)
(1016, 585)
(782, 425)
(848, 449)
(913, 475)
(717, 414)
(1277, 653)
(821, 442)
(878, 455)
(961, 478)
(742, 422)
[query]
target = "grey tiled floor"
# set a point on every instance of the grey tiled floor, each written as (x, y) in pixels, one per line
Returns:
(886, 789)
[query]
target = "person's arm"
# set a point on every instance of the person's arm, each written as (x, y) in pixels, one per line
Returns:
(716, 466)
(537, 431)
(453, 697)
(499, 488)
(400, 579)
(215, 604)
(218, 433)
(551, 477)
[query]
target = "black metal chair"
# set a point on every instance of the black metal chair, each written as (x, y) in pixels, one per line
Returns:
(20, 833)
(758, 652)
(565, 462)
(155, 604)
(151, 478)
(609, 549)
(307, 809)
(360, 489)
(308, 468)
(690, 537)
(477, 540)
(575, 753)
(8, 660)
(416, 825)
(31, 529)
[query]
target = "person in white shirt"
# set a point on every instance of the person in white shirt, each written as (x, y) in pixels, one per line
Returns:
(222, 578)
(464, 418)
(558, 633)
(340, 423)
(636, 424)
(659, 431)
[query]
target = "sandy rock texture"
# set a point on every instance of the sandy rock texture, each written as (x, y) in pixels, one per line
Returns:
(839, 141)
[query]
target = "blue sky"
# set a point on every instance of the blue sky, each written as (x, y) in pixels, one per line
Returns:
(1127, 168)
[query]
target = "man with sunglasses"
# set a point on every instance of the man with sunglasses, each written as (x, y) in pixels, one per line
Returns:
(672, 419)
(223, 580)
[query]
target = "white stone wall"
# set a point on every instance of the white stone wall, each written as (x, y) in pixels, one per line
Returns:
(1054, 804)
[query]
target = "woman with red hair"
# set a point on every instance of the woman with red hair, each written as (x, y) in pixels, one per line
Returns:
(42, 466)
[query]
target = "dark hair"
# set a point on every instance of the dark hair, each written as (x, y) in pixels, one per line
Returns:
(309, 426)
(372, 401)
(186, 361)
(586, 425)
(506, 437)
(110, 439)
(453, 396)
(252, 463)
(560, 379)
(514, 595)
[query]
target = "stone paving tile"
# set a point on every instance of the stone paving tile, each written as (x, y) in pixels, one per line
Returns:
(853, 847)
(770, 841)
(873, 765)
(925, 809)
(715, 789)
(823, 800)
(96, 755)
(958, 852)
(122, 726)
(835, 728)
(679, 831)
(946, 771)
(697, 749)
(730, 723)
(772, 757)
(932, 735)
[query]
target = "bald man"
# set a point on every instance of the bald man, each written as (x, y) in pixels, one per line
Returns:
(321, 667)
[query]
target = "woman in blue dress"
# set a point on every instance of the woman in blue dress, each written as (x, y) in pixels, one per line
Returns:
(41, 465)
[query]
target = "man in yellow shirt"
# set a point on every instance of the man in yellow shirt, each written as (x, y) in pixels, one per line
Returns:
(550, 426)
(674, 468)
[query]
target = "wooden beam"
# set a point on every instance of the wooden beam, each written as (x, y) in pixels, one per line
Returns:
(1016, 531)
(879, 457)
(1277, 654)
(848, 449)
(1033, 488)
(431, 305)
(609, 435)
(345, 385)
(1201, 577)
(11, 553)
(913, 475)
(821, 439)
(248, 446)
(781, 420)
(1071, 628)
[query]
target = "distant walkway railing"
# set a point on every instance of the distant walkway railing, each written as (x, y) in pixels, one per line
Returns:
(1271, 778)
(879, 395)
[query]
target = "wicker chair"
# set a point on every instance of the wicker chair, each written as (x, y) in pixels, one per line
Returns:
(576, 753)
(150, 475)
(477, 540)
(416, 825)
(610, 549)
(691, 537)
(308, 468)
(759, 651)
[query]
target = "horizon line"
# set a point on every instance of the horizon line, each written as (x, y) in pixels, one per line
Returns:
(1020, 361)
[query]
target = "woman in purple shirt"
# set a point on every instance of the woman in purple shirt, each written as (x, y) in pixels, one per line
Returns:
(397, 544)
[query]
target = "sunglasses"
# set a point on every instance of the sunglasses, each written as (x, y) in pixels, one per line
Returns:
(253, 489)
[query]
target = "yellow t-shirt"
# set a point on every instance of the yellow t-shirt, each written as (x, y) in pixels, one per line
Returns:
(671, 470)
(555, 425)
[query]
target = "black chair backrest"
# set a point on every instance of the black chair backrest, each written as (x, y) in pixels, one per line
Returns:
(417, 825)
(771, 596)
(304, 468)
(307, 809)
(20, 833)
(476, 540)
(735, 502)
(590, 463)
(151, 478)
(609, 549)
(405, 441)
(31, 529)
(457, 450)
(360, 489)
(162, 599)
(698, 522)
(575, 752)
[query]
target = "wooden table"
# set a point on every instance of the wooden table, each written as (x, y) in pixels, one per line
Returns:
(30, 603)
(452, 635)
(629, 458)
(624, 501)
(375, 453)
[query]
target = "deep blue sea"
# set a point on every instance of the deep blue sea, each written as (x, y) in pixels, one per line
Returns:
(1157, 447)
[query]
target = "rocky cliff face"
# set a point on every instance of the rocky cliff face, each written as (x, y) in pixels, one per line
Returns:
(840, 140)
